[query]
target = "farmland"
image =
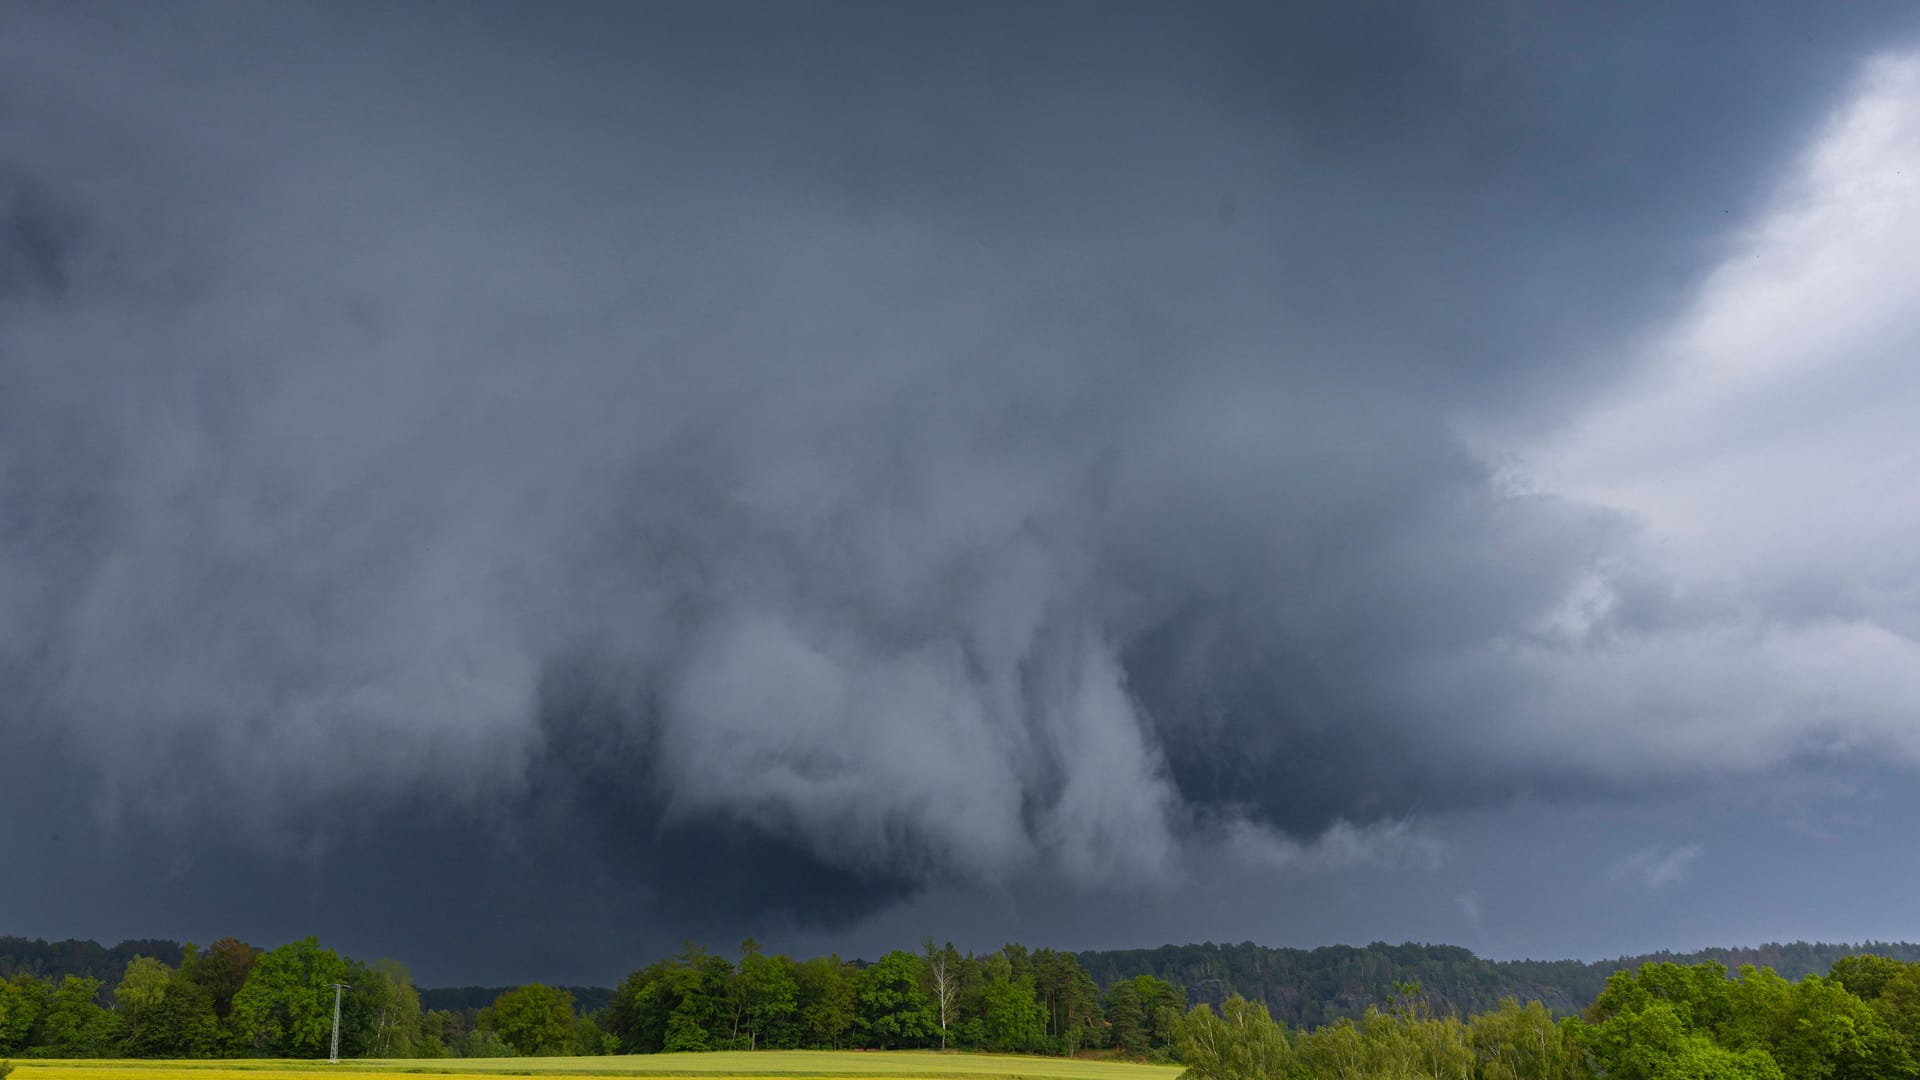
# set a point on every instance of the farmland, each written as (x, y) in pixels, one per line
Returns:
(880, 1065)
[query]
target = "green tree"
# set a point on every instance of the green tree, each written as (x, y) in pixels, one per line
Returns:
(1898, 1003)
(443, 1032)
(1010, 1015)
(484, 1043)
(72, 1023)
(173, 1019)
(769, 996)
(1241, 1042)
(396, 1009)
(222, 969)
(1127, 1019)
(1751, 1012)
(828, 999)
(1068, 998)
(1827, 1033)
(591, 1038)
(22, 998)
(285, 1008)
(1652, 1041)
(944, 981)
(1412, 1039)
(1701, 994)
(893, 1010)
(1865, 976)
(686, 1003)
(1163, 1005)
(1665, 1017)
(623, 1017)
(1334, 1050)
(1516, 1042)
(142, 986)
(533, 1019)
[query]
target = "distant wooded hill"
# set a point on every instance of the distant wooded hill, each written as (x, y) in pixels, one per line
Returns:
(587, 999)
(1309, 987)
(1303, 987)
(89, 959)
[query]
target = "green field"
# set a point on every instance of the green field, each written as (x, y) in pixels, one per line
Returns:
(897, 1064)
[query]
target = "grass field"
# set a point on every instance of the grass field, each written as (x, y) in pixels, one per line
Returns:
(771, 1064)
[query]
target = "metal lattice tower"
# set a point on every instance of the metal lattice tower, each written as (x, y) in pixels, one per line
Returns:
(333, 1055)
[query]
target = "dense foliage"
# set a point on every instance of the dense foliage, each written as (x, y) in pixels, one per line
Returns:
(1665, 1021)
(1661, 1021)
(1013, 1000)
(1299, 987)
(588, 999)
(57, 959)
(1312, 987)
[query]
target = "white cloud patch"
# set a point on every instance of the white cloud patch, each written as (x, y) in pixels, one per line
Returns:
(1773, 428)
(1655, 868)
(1398, 843)
(1469, 904)
(1767, 452)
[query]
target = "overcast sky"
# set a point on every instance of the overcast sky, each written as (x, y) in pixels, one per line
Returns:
(512, 487)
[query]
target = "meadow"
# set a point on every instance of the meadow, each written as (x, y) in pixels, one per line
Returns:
(771, 1064)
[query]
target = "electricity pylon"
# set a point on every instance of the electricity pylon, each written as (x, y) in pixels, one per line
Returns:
(333, 1055)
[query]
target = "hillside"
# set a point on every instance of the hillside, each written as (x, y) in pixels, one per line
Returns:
(588, 999)
(1305, 987)
(58, 959)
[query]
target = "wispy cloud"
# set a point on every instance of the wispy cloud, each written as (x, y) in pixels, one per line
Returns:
(1469, 904)
(1656, 867)
(1399, 843)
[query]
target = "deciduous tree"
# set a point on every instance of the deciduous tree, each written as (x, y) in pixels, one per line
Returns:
(892, 1009)
(943, 984)
(1241, 1042)
(532, 1019)
(828, 1000)
(1010, 1015)
(396, 1009)
(72, 1023)
(142, 986)
(285, 1008)
(1524, 1042)
(770, 996)
(21, 1000)
(222, 968)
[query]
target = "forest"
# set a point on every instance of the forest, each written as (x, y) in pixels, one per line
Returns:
(1223, 1011)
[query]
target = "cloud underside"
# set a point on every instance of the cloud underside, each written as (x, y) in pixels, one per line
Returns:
(1172, 472)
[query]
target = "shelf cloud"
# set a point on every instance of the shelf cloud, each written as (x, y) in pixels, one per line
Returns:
(884, 449)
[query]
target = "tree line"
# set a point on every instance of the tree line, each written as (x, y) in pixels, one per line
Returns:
(233, 1000)
(1013, 1000)
(1664, 1021)
(1305, 988)
(1661, 1021)
(227, 1000)
(1302, 988)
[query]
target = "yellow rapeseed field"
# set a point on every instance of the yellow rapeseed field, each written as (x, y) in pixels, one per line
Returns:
(755, 1065)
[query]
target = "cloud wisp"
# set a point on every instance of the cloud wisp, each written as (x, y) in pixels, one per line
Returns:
(1656, 868)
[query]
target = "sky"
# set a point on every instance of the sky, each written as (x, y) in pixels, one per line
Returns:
(516, 487)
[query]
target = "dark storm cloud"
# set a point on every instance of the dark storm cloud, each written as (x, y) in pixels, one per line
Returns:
(765, 460)
(35, 238)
